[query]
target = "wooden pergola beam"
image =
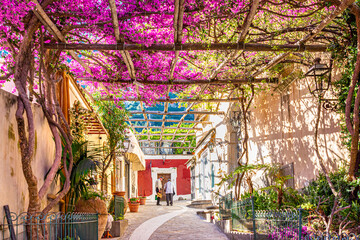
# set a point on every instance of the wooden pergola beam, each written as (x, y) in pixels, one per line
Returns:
(47, 22)
(203, 88)
(327, 20)
(186, 82)
(242, 36)
(178, 34)
(168, 147)
(160, 127)
(124, 54)
(173, 100)
(166, 108)
(165, 134)
(168, 121)
(165, 140)
(178, 113)
(249, 47)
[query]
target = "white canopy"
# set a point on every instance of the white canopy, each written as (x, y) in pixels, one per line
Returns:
(134, 153)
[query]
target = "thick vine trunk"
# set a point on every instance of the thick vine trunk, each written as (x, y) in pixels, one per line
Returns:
(244, 109)
(321, 160)
(26, 130)
(352, 123)
(26, 127)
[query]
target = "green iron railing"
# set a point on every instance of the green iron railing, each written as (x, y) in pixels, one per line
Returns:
(274, 224)
(331, 236)
(242, 215)
(225, 204)
(52, 226)
(271, 224)
(119, 207)
(279, 224)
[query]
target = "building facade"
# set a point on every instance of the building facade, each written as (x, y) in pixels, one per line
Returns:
(169, 167)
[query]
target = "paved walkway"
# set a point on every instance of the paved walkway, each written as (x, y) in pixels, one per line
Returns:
(168, 223)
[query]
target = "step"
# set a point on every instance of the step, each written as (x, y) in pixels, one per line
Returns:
(200, 204)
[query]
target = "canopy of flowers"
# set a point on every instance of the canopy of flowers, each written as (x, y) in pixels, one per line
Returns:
(157, 23)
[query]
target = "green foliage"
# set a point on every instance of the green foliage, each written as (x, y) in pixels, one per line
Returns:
(77, 124)
(92, 194)
(189, 142)
(239, 170)
(84, 162)
(134, 200)
(111, 207)
(316, 199)
(344, 53)
(319, 189)
(113, 116)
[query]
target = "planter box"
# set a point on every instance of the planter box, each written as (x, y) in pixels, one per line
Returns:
(118, 228)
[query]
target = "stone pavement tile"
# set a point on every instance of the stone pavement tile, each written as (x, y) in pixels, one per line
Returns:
(188, 226)
(150, 210)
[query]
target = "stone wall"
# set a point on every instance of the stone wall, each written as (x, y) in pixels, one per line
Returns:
(13, 187)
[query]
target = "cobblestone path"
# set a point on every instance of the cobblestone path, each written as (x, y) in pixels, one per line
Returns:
(163, 222)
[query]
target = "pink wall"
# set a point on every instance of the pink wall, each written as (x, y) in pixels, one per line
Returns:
(182, 181)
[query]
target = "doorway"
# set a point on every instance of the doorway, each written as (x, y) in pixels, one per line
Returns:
(166, 177)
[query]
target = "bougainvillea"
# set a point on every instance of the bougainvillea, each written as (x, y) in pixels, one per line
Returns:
(27, 29)
(151, 22)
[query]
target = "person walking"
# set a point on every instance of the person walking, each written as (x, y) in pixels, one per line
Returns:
(158, 187)
(170, 192)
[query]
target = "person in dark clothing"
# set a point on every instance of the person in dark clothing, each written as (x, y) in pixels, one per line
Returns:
(158, 187)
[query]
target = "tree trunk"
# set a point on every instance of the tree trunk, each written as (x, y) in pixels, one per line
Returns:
(321, 160)
(27, 140)
(353, 126)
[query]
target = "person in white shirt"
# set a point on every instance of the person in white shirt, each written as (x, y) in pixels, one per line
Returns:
(170, 192)
(158, 187)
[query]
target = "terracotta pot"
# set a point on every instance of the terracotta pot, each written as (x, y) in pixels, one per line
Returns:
(134, 207)
(119, 193)
(94, 205)
(142, 201)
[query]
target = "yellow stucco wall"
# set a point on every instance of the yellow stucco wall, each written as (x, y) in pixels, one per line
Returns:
(13, 187)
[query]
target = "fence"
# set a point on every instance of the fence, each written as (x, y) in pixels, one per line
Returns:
(331, 236)
(273, 224)
(270, 224)
(119, 207)
(279, 224)
(53, 226)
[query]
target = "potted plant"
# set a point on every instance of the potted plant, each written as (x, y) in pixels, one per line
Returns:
(134, 204)
(93, 202)
(142, 200)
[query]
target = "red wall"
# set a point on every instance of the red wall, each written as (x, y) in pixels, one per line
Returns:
(182, 181)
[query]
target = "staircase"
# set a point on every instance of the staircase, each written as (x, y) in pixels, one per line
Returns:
(200, 204)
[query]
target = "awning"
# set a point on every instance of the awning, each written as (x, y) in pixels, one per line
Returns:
(191, 162)
(134, 154)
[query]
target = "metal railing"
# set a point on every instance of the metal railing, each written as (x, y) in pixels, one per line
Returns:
(225, 204)
(271, 224)
(279, 224)
(119, 207)
(52, 226)
(331, 236)
(275, 224)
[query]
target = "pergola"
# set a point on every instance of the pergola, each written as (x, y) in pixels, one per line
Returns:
(246, 33)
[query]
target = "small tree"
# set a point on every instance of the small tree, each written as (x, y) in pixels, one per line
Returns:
(113, 116)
